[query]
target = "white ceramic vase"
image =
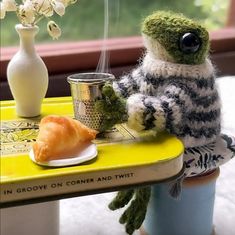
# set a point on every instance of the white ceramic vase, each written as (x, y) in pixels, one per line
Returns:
(27, 74)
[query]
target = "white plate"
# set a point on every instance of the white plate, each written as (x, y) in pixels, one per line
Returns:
(87, 154)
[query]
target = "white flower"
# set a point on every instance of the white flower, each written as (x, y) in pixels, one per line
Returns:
(67, 2)
(26, 15)
(73, 1)
(2, 11)
(49, 12)
(53, 30)
(9, 5)
(58, 7)
(29, 6)
(43, 7)
(30, 12)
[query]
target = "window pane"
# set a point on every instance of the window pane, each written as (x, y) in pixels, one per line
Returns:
(85, 19)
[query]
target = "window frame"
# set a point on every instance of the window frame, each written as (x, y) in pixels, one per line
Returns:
(231, 14)
(79, 56)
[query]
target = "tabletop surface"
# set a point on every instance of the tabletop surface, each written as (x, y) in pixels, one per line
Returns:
(124, 158)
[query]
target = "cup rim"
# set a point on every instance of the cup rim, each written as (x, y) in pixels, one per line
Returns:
(81, 78)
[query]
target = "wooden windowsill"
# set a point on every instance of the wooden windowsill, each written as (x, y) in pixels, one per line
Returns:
(79, 56)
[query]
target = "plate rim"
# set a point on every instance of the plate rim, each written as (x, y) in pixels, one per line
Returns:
(66, 161)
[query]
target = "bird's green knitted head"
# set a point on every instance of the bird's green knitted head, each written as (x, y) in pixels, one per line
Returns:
(175, 38)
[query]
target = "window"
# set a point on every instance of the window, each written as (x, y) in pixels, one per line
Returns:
(82, 26)
(84, 20)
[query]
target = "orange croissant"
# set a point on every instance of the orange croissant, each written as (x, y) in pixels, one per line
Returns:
(61, 137)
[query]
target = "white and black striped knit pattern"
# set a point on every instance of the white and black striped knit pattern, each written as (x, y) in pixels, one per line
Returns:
(182, 99)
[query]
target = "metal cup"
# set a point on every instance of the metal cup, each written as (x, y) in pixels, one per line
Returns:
(86, 88)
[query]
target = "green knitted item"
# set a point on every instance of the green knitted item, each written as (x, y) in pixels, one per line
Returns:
(122, 199)
(186, 42)
(168, 27)
(134, 215)
(112, 106)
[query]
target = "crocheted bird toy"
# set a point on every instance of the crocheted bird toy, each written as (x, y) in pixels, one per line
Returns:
(173, 88)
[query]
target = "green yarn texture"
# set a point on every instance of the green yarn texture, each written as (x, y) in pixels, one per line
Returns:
(135, 213)
(112, 107)
(168, 27)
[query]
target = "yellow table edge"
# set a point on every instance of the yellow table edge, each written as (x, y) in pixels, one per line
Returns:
(144, 156)
(65, 107)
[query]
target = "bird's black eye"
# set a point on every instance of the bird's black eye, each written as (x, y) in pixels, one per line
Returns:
(189, 43)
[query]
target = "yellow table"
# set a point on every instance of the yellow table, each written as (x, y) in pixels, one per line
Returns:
(124, 160)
